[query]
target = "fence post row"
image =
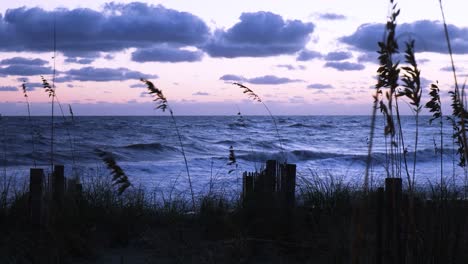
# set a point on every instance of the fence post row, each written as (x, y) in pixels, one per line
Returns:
(276, 183)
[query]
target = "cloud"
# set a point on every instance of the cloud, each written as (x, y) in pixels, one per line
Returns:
(201, 94)
(297, 100)
(232, 77)
(368, 57)
(260, 34)
(34, 85)
(79, 61)
(331, 16)
(344, 66)
(271, 79)
(319, 86)
(138, 85)
(25, 70)
(291, 67)
(23, 61)
(166, 54)
(428, 35)
(103, 75)
(306, 55)
(8, 89)
(338, 56)
(449, 69)
(267, 79)
(84, 31)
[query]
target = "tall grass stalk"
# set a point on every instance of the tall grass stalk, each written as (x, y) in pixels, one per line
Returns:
(412, 91)
(257, 98)
(388, 75)
(162, 103)
(70, 139)
(31, 125)
(50, 89)
(435, 107)
(457, 97)
(119, 177)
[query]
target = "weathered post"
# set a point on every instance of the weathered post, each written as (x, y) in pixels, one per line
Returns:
(287, 197)
(393, 196)
(36, 180)
(58, 185)
(288, 186)
(269, 181)
(247, 187)
(379, 225)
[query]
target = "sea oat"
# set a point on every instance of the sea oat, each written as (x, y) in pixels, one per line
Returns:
(118, 175)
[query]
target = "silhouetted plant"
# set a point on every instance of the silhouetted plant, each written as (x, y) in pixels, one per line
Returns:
(232, 160)
(387, 78)
(119, 178)
(412, 90)
(31, 125)
(459, 113)
(72, 115)
(435, 107)
(50, 89)
(257, 98)
(161, 103)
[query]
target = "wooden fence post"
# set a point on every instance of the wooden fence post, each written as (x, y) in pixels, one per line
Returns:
(393, 197)
(288, 186)
(379, 225)
(247, 186)
(269, 181)
(58, 185)
(36, 180)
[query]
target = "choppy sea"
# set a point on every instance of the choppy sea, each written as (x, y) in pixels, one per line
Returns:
(148, 148)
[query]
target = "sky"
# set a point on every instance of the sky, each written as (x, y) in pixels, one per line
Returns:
(301, 57)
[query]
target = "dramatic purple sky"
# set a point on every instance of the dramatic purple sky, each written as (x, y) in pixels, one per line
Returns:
(302, 57)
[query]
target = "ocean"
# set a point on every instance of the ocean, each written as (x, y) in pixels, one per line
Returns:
(148, 149)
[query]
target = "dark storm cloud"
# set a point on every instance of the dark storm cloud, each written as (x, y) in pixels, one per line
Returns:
(319, 86)
(25, 70)
(79, 61)
(8, 89)
(82, 32)
(306, 55)
(23, 61)
(267, 79)
(166, 54)
(260, 34)
(331, 16)
(338, 56)
(344, 66)
(103, 75)
(428, 35)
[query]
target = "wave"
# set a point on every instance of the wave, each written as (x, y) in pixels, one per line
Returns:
(425, 155)
(149, 146)
(299, 125)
